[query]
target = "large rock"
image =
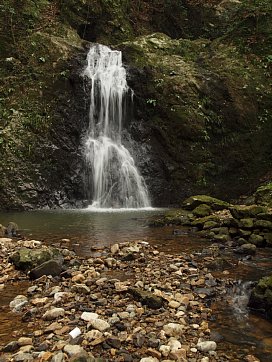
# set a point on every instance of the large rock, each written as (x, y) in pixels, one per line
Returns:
(194, 201)
(50, 267)
(26, 259)
(147, 298)
(263, 195)
(261, 296)
(245, 211)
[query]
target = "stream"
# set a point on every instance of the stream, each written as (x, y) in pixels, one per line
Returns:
(86, 231)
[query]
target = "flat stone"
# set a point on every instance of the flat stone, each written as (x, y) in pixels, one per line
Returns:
(24, 341)
(100, 324)
(53, 314)
(72, 349)
(87, 316)
(50, 267)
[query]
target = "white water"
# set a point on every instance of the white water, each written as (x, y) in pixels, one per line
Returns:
(113, 179)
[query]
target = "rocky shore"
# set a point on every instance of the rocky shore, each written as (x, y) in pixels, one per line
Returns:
(131, 303)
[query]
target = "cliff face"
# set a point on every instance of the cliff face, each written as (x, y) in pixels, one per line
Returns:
(202, 112)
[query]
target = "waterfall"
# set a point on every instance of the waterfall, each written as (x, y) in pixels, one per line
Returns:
(113, 180)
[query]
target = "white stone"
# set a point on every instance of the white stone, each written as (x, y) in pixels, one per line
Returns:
(205, 359)
(174, 344)
(87, 316)
(114, 248)
(24, 341)
(173, 329)
(149, 359)
(206, 346)
(165, 350)
(100, 324)
(72, 349)
(53, 314)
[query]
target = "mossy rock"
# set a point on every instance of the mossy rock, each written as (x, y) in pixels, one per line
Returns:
(26, 259)
(263, 224)
(202, 210)
(268, 239)
(247, 223)
(265, 216)
(263, 195)
(244, 211)
(194, 201)
(257, 240)
(201, 221)
(210, 224)
(261, 296)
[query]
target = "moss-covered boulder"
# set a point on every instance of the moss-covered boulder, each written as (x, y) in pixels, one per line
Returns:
(27, 259)
(202, 210)
(261, 296)
(194, 201)
(200, 222)
(246, 211)
(263, 195)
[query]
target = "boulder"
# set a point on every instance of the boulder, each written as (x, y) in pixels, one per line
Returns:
(256, 239)
(27, 259)
(244, 211)
(263, 224)
(246, 249)
(261, 296)
(200, 222)
(194, 201)
(147, 298)
(263, 195)
(202, 210)
(50, 267)
(247, 223)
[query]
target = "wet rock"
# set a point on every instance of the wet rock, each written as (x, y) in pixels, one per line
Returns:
(18, 303)
(11, 347)
(206, 346)
(50, 267)
(53, 314)
(146, 298)
(12, 229)
(261, 296)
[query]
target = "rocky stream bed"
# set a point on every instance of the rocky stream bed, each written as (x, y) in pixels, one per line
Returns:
(132, 303)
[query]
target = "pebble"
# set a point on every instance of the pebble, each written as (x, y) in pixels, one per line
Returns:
(100, 324)
(87, 316)
(72, 349)
(206, 346)
(173, 329)
(18, 303)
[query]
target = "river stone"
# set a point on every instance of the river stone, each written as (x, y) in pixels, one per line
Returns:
(50, 267)
(2, 230)
(88, 316)
(246, 249)
(11, 347)
(100, 324)
(173, 329)
(18, 303)
(23, 357)
(247, 223)
(149, 359)
(53, 314)
(58, 357)
(206, 346)
(27, 259)
(73, 349)
(146, 298)
(24, 341)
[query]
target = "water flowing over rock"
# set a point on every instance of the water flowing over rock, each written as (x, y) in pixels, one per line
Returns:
(112, 177)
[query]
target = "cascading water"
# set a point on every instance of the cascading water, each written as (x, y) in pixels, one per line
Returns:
(113, 178)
